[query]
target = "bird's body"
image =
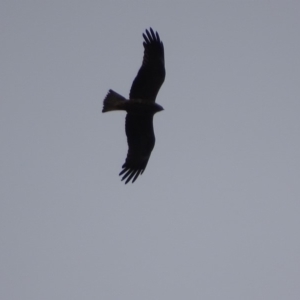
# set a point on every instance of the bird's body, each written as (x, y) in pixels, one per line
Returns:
(140, 107)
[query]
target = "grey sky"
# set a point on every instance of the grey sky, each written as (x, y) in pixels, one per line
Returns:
(216, 213)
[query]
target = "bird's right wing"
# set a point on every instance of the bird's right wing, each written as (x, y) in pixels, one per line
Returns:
(141, 140)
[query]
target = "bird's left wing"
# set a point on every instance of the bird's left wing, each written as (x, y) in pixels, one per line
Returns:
(152, 72)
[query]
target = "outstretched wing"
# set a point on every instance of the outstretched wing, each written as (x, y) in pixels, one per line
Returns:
(141, 140)
(152, 72)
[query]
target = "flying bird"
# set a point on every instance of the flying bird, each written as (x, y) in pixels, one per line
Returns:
(140, 107)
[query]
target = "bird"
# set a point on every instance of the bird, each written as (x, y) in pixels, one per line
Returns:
(140, 107)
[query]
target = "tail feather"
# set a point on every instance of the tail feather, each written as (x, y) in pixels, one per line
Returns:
(113, 101)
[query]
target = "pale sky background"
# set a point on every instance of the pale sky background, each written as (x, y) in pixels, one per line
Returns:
(216, 215)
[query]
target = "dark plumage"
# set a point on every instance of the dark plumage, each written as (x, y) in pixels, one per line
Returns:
(141, 107)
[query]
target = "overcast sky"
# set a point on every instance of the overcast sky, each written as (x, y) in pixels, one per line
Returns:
(216, 213)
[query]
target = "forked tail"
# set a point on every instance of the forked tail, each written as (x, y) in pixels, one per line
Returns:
(113, 101)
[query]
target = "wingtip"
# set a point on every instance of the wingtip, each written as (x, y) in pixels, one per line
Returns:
(151, 35)
(130, 174)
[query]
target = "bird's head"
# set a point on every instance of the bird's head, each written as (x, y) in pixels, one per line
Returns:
(158, 108)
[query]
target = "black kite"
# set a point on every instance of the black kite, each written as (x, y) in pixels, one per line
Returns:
(141, 107)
